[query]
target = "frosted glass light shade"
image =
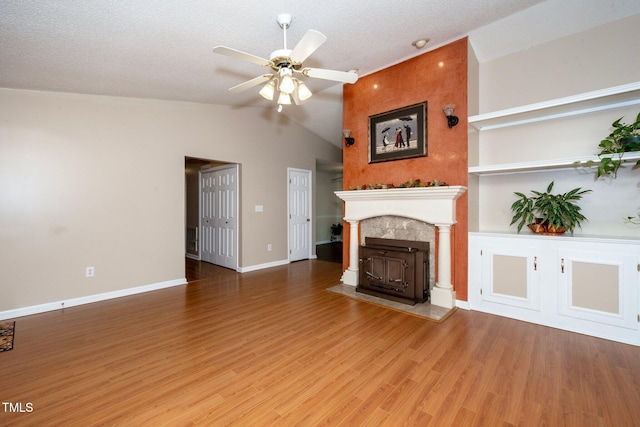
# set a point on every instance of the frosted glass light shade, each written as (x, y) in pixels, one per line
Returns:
(284, 98)
(287, 85)
(303, 92)
(268, 90)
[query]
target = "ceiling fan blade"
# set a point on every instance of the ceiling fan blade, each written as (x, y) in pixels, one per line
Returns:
(338, 76)
(311, 41)
(251, 83)
(223, 50)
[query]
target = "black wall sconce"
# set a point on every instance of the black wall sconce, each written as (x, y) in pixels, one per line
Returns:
(448, 111)
(348, 141)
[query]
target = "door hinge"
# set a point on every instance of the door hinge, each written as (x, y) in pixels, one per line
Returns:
(638, 267)
(480, 291)
(480, 252)
(638, 318)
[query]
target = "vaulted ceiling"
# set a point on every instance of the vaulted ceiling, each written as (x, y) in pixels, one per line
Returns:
(163, 49)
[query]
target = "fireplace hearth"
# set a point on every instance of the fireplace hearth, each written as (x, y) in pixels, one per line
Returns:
(394, 269)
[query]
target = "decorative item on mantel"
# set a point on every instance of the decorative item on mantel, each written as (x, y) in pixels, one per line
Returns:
(546, 213)
(409, 184)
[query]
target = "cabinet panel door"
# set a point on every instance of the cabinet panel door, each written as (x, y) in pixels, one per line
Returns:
(510, 276)
(597, 286)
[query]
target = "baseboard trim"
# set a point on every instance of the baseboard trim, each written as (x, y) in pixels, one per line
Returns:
(58, 305)
(326, 242)
(192, 256)
(463, 304)
(263, 266)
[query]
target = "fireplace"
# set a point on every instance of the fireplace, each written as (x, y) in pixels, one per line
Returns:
(394, 269)
(432, 205)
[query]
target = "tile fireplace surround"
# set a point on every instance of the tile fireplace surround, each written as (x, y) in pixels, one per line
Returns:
(433, 205)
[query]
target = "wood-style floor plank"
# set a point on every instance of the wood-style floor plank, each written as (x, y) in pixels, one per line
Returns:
(273, 347)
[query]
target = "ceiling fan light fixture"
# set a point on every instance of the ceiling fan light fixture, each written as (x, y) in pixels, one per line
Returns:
(303, 91)
(287, 85)
(284, 98)
(284, 62)
(268, 90)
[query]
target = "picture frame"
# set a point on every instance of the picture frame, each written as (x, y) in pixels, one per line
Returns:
(398, 134)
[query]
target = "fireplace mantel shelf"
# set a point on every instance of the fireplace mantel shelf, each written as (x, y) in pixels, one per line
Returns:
(443, 192)
(434, 205)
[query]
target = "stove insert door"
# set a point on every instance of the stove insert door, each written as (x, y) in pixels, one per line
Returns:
(388, 272)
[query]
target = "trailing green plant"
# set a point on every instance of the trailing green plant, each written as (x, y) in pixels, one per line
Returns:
(635, 220)
(555, 211)
(623, 139)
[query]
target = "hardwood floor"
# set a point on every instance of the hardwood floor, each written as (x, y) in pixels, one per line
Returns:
(272, 347)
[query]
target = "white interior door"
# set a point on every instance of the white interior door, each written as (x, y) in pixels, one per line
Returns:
(227, 216)
(219, 216)
(207, 216)
(299, 214)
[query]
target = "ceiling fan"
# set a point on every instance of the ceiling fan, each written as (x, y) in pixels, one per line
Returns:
(285, 63)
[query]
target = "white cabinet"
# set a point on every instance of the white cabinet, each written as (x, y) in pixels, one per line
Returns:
(598, 285)
(510, 275)
(585, 285)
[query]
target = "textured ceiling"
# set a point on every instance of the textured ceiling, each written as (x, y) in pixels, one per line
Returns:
(163, 49)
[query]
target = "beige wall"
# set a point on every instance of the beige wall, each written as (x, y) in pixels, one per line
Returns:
(100, 181)
(596, 59)
(588, 61)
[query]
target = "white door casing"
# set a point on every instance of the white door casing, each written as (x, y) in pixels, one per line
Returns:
(299, 203)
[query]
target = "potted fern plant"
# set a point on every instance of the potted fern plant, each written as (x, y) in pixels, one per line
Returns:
(548, 213)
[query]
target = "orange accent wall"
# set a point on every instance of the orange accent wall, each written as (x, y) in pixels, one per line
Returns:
(440, 78)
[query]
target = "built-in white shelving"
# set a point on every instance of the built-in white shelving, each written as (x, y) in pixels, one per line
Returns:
(544, 165)
(539, 279)
(588, 102)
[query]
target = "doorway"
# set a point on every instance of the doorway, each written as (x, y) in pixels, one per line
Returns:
(211, 212)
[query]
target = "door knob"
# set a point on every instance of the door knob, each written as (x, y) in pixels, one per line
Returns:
(308, 220)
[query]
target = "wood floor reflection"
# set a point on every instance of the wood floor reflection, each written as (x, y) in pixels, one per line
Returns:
(273, 347)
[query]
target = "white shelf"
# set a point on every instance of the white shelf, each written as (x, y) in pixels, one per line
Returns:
(541, 165)
(589, 102)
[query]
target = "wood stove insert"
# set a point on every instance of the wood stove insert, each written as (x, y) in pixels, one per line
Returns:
(397, 270)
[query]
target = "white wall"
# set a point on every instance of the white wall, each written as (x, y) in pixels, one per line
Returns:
(583, 62)
(100, 181)
(328, 205)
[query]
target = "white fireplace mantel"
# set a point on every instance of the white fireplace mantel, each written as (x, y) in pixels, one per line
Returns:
(433, 205)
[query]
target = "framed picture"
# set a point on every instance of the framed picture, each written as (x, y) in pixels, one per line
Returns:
(398, 134)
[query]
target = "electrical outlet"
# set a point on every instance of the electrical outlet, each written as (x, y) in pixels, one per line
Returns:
(90, 272)
(269, 247)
